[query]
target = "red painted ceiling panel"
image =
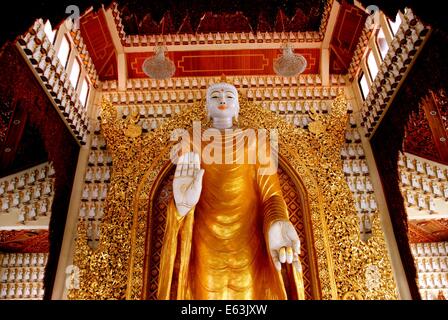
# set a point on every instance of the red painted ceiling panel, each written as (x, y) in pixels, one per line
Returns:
(346, 33)
(99, 43)
(217, 62)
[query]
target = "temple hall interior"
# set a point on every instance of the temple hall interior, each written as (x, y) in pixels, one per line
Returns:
(92, 90)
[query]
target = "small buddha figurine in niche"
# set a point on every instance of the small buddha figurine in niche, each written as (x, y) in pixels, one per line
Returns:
(106, 174)
(41, 259)
(47, 188)
(12, 260)
(241, 234)
(4, 204)
(34, 259)
(36, 191)
(21, 182)
(4, 276)
(12, 290)
(19, 290)
(133, 130)
(443, 264)
(3, 291)
(89, 175)
(26, 260)
(43, 207)
(91, 211)
(31, 178)
(42, 174)
(92, 158)
(27, 290)
(11, 185)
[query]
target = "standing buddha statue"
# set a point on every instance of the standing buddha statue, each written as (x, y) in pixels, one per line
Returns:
(228, 231)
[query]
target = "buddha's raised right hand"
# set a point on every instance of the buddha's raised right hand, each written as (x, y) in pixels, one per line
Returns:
(187, 183)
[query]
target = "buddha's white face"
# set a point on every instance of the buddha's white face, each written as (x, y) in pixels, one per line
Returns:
(222, 101)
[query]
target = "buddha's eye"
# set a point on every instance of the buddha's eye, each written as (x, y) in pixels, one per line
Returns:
(215, 97)
(229, 97)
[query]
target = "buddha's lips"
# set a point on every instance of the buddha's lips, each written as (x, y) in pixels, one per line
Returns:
(222, 107)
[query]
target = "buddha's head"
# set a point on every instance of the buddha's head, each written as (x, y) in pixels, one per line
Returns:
(222, 102)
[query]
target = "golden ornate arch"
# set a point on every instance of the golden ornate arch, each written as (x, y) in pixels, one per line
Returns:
(296, 198)
(115, 269)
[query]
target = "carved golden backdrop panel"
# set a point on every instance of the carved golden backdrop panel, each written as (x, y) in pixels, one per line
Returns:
(297, 209)
(347, 267)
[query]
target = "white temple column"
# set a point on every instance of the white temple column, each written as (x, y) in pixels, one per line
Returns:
(122, 71)
(386, 224)
(325, 50)
(119, 49)
(325, 66)
(71, 224)
(68, 243)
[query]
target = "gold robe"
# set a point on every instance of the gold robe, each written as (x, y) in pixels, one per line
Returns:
(219, 250)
